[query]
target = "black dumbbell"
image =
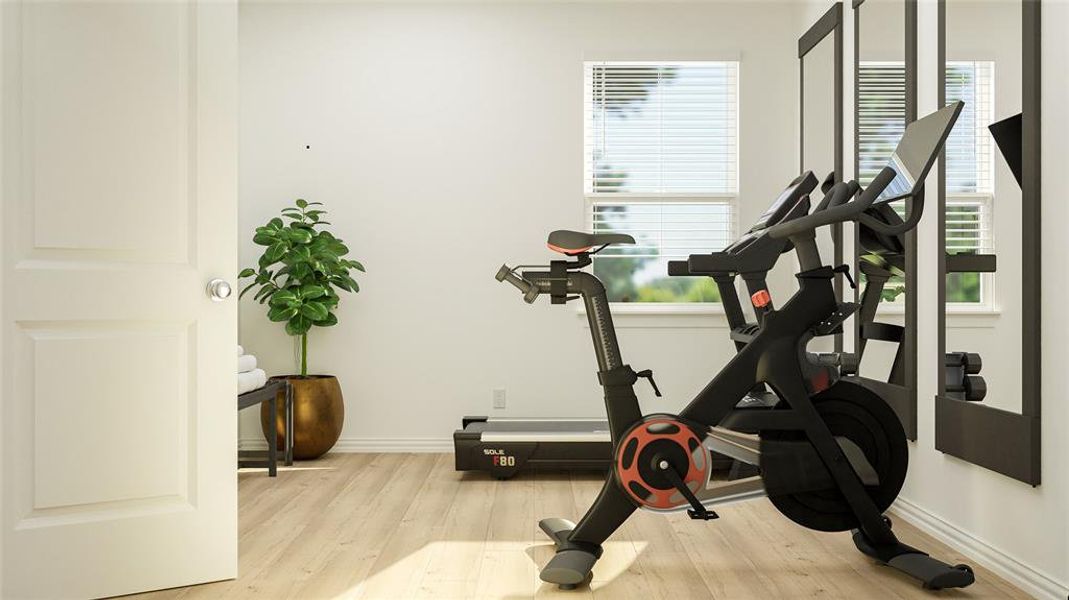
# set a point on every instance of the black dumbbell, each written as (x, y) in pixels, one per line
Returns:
(975, 388)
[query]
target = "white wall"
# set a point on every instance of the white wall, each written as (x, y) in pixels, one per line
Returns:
(447, 139)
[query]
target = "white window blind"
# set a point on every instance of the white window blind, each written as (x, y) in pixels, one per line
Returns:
(969, 162)
(881, 115)
(967, 224)
(661, 127)
(661, 164)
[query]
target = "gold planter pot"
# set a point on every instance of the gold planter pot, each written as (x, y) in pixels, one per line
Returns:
(318, 415)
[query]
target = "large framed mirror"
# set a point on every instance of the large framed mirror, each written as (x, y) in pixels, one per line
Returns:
(885, 101)
(820, 73)
(988, 403)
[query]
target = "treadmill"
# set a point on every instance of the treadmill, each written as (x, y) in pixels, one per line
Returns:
(503, 447)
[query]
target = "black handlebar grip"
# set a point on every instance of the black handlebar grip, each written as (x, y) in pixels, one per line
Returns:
(678, 268)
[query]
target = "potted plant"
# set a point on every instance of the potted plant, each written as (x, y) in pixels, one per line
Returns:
(298, 277)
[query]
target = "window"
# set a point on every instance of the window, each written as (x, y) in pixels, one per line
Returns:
(970, 175)
(661, 164)
(970, 191)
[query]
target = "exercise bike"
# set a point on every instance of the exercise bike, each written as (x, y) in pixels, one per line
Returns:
(832, 455)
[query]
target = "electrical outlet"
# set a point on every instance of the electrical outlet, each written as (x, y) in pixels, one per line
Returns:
(499, 397)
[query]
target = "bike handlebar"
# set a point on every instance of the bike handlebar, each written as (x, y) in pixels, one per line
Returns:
(916, 210)
(530, 291)
(845, 211)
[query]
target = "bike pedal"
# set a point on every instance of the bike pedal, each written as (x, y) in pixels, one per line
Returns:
(705, 515)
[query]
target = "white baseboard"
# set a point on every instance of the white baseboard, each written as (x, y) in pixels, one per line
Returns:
(1036, 583)
(356, 445)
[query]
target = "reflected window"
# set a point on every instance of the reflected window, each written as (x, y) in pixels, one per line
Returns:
(661, 164)
(969, 158)
(970, 166)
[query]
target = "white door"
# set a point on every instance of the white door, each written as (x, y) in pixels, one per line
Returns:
(119, 193)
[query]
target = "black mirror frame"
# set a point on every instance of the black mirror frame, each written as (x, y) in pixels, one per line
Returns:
(968, 430)
(905, 406)
(830, 23)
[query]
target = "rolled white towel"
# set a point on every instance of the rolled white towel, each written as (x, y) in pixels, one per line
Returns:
(240, 350)
(253, 380)
(246, 363)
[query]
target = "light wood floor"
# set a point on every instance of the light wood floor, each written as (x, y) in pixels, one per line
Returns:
(408, 526)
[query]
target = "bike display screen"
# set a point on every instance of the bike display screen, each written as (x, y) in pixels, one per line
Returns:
(786, 200)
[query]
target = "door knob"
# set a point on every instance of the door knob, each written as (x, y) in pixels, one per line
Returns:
(219, 290)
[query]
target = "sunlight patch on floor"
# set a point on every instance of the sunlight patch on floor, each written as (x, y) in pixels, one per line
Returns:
(481, 569)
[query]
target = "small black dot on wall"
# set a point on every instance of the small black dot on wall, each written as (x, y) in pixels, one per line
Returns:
(307, 147)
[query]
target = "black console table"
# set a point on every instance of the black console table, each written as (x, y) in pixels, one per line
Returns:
(269, 394)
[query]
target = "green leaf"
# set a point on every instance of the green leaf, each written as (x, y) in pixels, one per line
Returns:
(302, 203)
(310, 291)
(246, 273)
(264, 239)
(275, 252)
(247, 288)
(338, 248)
(275, 223)
(298, 325)
(315, 204)
(301, 236)
(280, 313)
(330, 321)
(356, 265)
(302, 253)
(295, 217)
(284, 296)
(264, 293)
(301, 271)
(314, 311)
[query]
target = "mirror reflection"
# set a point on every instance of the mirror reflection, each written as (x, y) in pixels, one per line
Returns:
(818, 121)
(881, 119)
(983, 206)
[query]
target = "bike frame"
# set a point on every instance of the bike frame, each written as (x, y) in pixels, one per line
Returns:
(776, 356)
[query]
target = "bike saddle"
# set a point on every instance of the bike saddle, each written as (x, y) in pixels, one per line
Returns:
(576, 242)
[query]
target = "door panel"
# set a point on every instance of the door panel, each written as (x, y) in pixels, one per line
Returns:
(109, 126)
(118, 431)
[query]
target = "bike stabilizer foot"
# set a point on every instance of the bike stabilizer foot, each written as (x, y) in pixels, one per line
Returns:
(573, 562)
(933, 574)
